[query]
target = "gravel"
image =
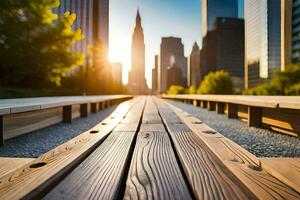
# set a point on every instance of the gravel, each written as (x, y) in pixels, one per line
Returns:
(260, 142)
(38, 142)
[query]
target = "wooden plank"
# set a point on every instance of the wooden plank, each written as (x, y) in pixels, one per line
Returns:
(285, 169)
(151, 118)
(254, 116)
(4, 111)
(154, 172)
(100, 175)
(244, 165)
(104, 169)
(11, 106)
(34, 179)
(203, 104)
(232, 111)
(67, 114)
(151, 127)
(94, 107)
(21, 123)
(84, 110)
(126, 127)
(8, 165)
(220, 107)
(211, 106)
(209, 178)
(25, 108)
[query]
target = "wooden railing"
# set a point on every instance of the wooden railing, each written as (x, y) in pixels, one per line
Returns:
(279, 113)
(20, 116)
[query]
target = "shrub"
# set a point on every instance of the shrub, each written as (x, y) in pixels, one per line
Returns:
(218, 82)
(176, 89)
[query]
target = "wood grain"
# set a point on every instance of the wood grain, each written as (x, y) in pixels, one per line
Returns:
(99, 176)
(8, 165)
(154, 172)
(18, 124)
(244, 165)
(209, 178)
(285, 169)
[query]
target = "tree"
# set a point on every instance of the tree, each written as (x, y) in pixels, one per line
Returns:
(35, 43)
(218, 82)
(283, 83)
(176, 89)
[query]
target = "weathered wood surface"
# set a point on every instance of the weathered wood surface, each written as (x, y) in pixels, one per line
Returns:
(8, 165)
(18, 124)
(244, 165)
(100, 175)
(154, 172)
(209, 178)
(285, 169)
(36, 177)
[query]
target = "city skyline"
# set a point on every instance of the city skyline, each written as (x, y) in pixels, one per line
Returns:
(159, 20)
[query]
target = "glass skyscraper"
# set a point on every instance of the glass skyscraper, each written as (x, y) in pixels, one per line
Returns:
(92, 17)
(211, 9)
(296, 31)
(262, 40)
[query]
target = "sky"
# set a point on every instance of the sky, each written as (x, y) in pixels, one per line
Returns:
(160, 18)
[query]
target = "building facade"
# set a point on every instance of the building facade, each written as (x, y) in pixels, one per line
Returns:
(92, 17)
(136, 80)
(155, 76)
(263, 26)
(174, 76)
(194, 76)
(290, 38)
(211, 9)
(223, 49)
(296, 32)
(171, 52)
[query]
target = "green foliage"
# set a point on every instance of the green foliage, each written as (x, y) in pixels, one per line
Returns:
(284, 83)
(176, 89)
(218, 82)
(35, 43)
(192, 90)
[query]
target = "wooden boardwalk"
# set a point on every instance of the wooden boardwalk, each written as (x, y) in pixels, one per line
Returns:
(150, 149)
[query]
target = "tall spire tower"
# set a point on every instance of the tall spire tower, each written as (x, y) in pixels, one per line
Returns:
(137, 82)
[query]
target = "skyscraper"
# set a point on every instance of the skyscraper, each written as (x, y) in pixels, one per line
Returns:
(296, 32)
(262, 40)
(137, 82)
(211, 9)
(194, 77)
(223, 49)
(171, 52)
(290, 31)
(155, 76)
(104, 22)
(92, 17)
